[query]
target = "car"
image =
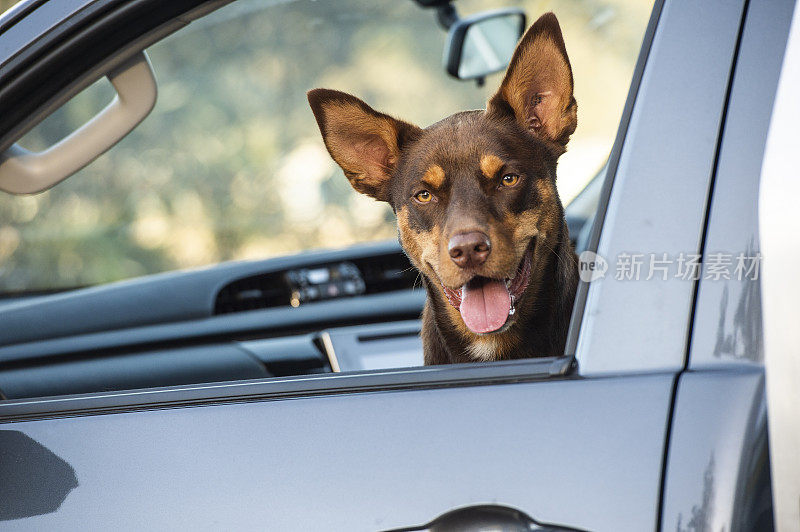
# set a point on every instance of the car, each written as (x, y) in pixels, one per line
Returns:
(287, 393)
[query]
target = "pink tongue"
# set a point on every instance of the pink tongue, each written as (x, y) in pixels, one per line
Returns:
(485, 304)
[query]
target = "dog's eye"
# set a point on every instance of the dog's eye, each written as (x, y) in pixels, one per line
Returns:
(423, 196)
(509, 180)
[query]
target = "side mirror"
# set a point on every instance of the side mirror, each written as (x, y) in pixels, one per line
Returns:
(483, 43)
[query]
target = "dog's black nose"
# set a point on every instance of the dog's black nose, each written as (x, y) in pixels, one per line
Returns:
(469, 250)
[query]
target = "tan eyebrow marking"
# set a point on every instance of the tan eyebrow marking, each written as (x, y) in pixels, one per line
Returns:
(434, 176)
(490, 165)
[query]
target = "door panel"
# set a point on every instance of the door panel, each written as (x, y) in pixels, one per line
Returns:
(658, 199)
(717, 474)
(727, 322)
(583, 453)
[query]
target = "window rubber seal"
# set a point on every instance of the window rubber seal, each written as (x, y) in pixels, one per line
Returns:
(281, 388)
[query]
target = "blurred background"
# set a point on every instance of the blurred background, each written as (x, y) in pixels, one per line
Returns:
(230, 165)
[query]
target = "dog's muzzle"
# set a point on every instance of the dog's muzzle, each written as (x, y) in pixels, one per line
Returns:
(485, 304)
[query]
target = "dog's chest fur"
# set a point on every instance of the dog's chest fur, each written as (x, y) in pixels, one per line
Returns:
(540, 328)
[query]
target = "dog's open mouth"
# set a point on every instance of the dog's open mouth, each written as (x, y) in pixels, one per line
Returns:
(485, 304)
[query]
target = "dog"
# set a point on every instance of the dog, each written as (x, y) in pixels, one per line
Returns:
(477, 208)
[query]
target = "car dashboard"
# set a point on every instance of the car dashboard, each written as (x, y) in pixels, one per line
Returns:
(326, 311)
(316, 312)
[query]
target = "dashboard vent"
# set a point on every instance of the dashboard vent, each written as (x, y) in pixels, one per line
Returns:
(368, 275)
(386, 273)
(253, 293)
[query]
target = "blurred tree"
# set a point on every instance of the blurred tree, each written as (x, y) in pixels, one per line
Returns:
(230, 164)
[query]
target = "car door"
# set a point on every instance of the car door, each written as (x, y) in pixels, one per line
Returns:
(720, 477)
(578, 441)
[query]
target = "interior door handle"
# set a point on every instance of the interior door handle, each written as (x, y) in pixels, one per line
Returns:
(25, 172)
(486, 518)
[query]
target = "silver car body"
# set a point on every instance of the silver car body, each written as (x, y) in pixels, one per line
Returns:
(657, 422)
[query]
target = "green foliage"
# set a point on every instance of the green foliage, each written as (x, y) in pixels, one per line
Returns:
(230, 164)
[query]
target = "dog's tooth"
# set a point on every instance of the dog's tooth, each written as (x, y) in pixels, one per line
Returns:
(512, 309)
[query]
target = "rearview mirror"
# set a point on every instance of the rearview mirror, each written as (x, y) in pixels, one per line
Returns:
(483, 43)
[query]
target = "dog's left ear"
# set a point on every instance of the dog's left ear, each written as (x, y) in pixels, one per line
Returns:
(537, 87)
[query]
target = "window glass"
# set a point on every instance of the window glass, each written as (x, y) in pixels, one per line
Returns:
(230, 164)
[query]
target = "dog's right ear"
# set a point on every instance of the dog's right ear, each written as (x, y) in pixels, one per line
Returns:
(365, 143)
(537, 87)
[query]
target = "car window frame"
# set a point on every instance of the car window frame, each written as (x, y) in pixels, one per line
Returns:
(92, 40)
(644, 324)
(59, 45)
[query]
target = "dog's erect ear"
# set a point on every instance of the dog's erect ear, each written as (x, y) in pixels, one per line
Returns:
(364, 142)
(537, 86)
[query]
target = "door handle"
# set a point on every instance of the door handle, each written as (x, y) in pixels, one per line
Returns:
(486, 518)
(25, 172)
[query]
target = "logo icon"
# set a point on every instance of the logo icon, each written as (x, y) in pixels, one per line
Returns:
(591, 266)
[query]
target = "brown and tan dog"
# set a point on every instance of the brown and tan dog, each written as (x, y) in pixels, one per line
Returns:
(476, 202)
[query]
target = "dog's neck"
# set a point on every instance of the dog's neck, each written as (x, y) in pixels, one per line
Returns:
(540, 325)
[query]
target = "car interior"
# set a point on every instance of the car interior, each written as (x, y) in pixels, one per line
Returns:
(216, 241)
